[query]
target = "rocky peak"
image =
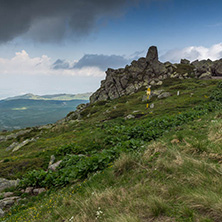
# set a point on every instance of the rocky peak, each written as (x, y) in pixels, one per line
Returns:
(150, 71)
(152, 55)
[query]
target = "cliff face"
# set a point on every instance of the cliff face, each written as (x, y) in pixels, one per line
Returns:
(150, 71)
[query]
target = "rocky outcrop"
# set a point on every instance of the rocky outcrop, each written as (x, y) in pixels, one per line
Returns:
(15, 146)
(150, 71)
(128, 80)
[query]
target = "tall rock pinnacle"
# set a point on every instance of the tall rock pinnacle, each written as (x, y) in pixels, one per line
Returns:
(152, 54)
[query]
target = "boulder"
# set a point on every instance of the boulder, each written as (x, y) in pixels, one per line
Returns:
(8, 194)
(159, 83)
(25, 142)
(54, 166)
(39, 191)
(164, 95)
(202, 66)
(217, 68)
(167, 64)
(8, 202)
(2, 213)
(130, 116)
(12, 146)
(206, 75)
(17, 134)
(2, 138)
(184, 61)
(152, 83)
(29, 190)
(4, 183)
(156, 92)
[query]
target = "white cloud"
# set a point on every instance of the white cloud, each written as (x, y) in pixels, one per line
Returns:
(194, 52)
(23, 64)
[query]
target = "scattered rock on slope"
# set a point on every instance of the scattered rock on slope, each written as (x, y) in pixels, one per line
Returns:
(4, 183)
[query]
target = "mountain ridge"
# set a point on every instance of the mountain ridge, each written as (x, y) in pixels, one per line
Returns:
(61, 97)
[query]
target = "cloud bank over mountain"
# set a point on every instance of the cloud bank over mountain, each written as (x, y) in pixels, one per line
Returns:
(194, 52)
(93, 64)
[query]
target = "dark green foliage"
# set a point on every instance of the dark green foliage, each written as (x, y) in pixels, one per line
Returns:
(116, 113)
(67, 149)
(216, 94)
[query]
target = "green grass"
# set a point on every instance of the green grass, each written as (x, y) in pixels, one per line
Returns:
(175, 178)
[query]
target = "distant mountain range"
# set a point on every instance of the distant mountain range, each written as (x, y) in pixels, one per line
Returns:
(32, 110)
(60, 97)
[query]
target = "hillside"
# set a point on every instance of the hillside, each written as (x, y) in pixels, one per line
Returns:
(59, 97)
(117, 160)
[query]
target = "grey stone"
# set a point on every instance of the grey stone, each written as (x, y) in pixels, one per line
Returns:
(49, 126)
(2, 138)
(54, 166)
(8, 202)
(39, 191)
(202, 66)
(4, 183)
(130, 116)
(152, 83)
(164, 95)
(152, 54)
(52, 159)
(206, 75)
(130, 89)
(174, 75)
(185, 61)
(2, 213)
(217, 68)
(167, 64)
(8, 194)
(29, 190)
(174, 66)
(12, 146)
(19, 133)
(25, 142)
(159, 83)
(156, 92)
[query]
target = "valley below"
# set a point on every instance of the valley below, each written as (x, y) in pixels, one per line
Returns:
(19, 113)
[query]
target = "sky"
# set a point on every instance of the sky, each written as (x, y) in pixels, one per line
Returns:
(54, 46)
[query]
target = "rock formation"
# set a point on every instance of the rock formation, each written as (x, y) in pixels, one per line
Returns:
(128, 80)
(150, 71)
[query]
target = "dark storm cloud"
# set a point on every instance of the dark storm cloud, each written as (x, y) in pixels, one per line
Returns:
(101, 61)
(48, 20)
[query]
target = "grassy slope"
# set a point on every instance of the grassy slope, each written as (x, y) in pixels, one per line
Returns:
(175, 178)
